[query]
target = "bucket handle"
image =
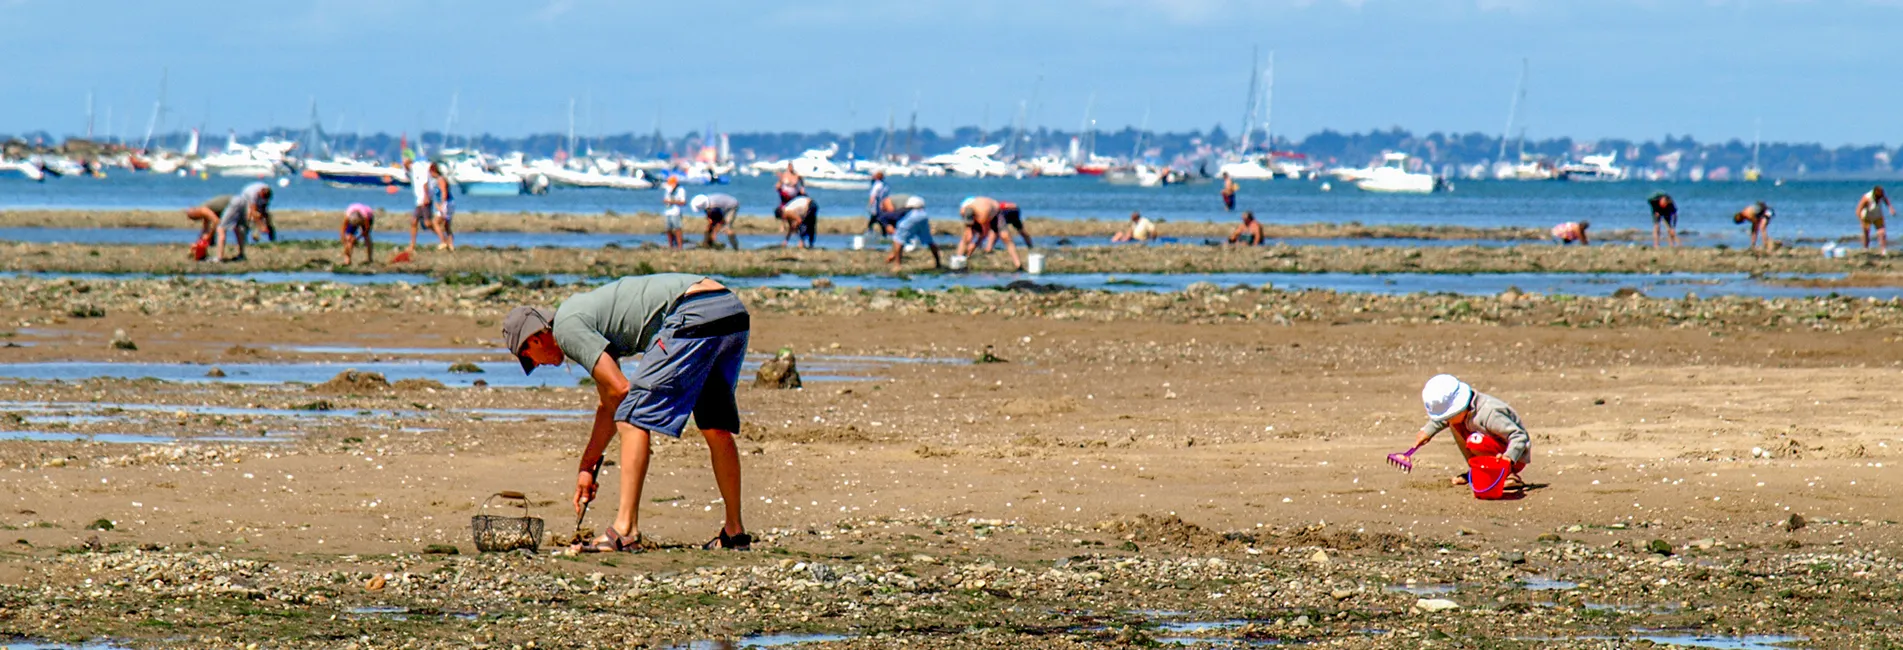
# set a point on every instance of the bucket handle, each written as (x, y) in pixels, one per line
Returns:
(1496, 483)
(509, 495)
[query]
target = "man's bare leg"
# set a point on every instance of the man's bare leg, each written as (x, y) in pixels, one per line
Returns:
(726, 462)
(636, 449)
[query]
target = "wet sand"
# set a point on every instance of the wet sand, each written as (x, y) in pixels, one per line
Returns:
(1137, 463)
(1176, 258)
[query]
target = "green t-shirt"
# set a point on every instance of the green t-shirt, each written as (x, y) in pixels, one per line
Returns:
(620, 318)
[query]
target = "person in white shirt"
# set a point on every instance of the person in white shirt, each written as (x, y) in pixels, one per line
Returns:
(1142, 229)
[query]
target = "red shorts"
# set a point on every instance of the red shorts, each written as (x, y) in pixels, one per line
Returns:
(1481, 444)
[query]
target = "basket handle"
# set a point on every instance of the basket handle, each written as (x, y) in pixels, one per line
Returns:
(1476, 486)
(509, 495)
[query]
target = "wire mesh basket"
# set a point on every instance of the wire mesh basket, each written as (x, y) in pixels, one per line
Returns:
(495, 534)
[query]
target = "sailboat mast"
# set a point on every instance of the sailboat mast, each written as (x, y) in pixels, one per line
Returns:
(1757, 139)
(1248, 103)
(1136, 150)
(571, 126)
(1513, 111)
(1268, 104)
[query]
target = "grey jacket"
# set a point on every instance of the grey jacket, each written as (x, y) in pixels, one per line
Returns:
(1493, 416)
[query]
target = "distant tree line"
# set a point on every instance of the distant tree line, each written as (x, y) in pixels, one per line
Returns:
(1674, 153)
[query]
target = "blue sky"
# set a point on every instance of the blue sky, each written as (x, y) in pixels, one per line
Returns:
(1812, 70)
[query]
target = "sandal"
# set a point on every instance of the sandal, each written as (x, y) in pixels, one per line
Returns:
(1513, 482)
(614, 542)
(1460, 479)
(740, 542)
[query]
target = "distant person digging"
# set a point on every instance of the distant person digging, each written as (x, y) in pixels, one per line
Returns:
(912, 229)
(799, 219)
(1759, 216)
(720, 210)
(251, 205)
(1249, 232)
(1141, 229)
(359, 220)
(207, 215)
(1665, 214)
(983, 219)
(1870, 215)
(691, 333)
(1572, 232)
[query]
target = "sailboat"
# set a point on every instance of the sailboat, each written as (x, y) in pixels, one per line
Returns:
(1752, 173)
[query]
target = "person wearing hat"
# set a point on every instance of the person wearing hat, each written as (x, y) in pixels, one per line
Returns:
(913, 228)
(720, 210)
(1759, 215)
(359, 220)
(691, 333)
(1665, 213)
(1483, 425)
(674, 197)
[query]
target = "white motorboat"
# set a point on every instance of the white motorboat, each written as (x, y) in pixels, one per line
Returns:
(263, 160)
(1144, 176)
(1251, 169)
(563, 177)
(1528, 169)
(473, 177)
(971, 162)
(21, 169)
(817, 164)
(1049, 166)
(347, 172)
(1393, 177)
(1594, 168)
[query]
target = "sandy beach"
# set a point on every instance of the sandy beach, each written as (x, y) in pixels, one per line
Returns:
(1198, 466)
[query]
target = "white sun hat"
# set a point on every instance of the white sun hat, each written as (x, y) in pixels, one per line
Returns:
(699, 204)
(915, 203)
(1444, 396)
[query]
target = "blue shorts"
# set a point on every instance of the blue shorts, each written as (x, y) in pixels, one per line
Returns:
(914, 228)
(691, 368)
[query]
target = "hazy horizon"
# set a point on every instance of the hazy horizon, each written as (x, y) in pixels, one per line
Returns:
(1624, 69)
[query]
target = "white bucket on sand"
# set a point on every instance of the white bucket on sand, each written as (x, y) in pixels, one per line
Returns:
(958, 262)
(858, 242)
(1034, 263)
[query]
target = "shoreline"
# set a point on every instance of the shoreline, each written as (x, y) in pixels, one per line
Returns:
(614, 260)
(648, 223)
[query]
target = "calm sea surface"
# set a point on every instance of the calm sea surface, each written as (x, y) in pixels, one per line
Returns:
(1804, 209)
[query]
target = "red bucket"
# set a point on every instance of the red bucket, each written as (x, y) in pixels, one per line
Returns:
(1488, 476)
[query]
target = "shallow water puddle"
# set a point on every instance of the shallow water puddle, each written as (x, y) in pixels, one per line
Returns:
(499, 374)
(1424, 589)
(1747, 642)
(405, 613)
(29, 645)
(140, 439)
(1537, 583)
(761, 641)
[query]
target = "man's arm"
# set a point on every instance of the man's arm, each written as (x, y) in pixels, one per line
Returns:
(612, 386)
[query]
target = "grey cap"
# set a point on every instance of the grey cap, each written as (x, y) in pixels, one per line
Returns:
(522, 323)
